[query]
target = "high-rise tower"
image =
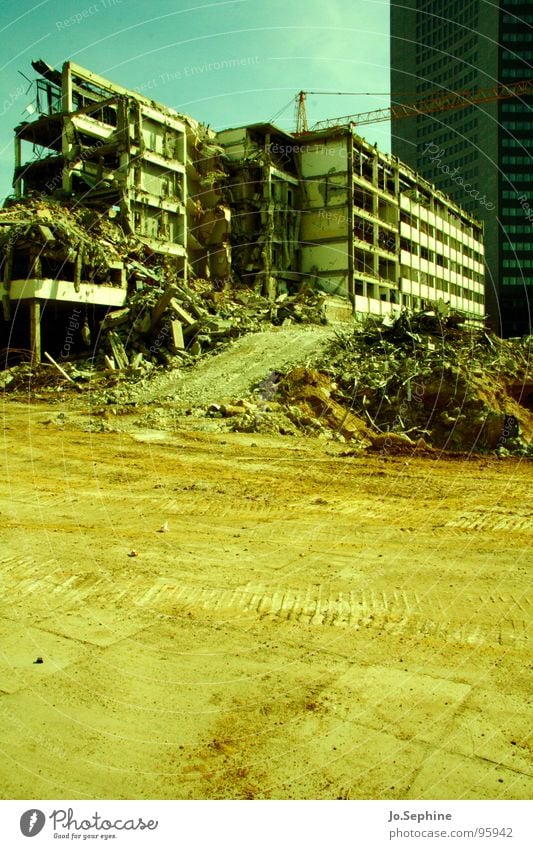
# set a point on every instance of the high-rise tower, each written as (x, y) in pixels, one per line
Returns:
(481, 155)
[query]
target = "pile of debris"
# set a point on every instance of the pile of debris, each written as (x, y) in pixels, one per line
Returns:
(50, 239)
(177, 325)
(424, 376)
(413, 381)
(165, 321)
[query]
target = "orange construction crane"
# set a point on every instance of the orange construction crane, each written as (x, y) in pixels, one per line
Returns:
(426, 106)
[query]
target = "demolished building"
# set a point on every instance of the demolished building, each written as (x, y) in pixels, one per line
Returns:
(115, 193)
(98, 146)
(377, 233)
(265, 198)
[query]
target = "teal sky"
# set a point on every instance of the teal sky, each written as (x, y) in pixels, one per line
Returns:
(224, 62)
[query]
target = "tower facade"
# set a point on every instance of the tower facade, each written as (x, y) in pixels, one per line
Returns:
(480, 155)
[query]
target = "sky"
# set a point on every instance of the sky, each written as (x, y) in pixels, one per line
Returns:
(224, 62)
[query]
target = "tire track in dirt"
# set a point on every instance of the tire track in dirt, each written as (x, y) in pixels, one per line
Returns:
(506, 617)
(492, 520)
(398, 612)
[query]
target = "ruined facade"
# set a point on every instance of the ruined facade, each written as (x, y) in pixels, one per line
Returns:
(114, 150)
(265, 198)
(328, 209)
(377, 233)
(104, 148)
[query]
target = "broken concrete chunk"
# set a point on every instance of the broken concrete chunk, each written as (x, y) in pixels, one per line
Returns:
(115, 318)
(181, 312)
(177, 335)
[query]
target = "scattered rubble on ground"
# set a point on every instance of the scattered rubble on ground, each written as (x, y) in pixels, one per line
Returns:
(411, 383)
(414, 383)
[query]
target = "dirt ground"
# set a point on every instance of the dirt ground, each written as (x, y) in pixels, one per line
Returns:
(311, 625)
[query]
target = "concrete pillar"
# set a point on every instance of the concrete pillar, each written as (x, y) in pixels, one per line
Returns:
(18, 162)
(35, 332)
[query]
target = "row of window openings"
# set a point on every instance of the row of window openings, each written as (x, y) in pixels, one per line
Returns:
(515, 160)
(517, 145)
(518, 246)
(416, 223)
(515, 36)
(520, 55)
(438, 283)
(518, 229)
(515, 73)
(442, 7)
(512, 281)
(517, 263)
(517, 125)
(517, 176)
(457, 162)
(439, 259)
(515, 107)
(439, 235)
(512, 195)
(430, 128)
(464, 46)
(458, 84)
(514, 211)
(433, 175)
(435, 26)
(422, 148)
(445, 61)
(461, 127)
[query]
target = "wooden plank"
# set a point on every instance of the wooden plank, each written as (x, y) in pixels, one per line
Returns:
(62, 371)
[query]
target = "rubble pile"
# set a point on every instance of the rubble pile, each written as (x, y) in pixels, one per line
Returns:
(421, 376)
(182, 322)
(164, 322)
(410, 382)
(52, 235)
(409, 379)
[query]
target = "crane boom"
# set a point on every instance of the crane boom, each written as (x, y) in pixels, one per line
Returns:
(429, 105)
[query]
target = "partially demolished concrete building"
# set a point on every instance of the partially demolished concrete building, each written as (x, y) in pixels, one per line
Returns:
(116, 151)
(104, 148)
(378, 234)
(254, 206)
(265, 198)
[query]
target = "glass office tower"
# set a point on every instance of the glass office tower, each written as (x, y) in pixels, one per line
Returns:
(480, 155)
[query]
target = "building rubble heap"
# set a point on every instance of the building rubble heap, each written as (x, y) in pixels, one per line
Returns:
(140, 240)
(164, 321)
(418, 381)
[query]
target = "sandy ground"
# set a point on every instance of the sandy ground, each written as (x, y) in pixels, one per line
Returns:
(311, 625)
